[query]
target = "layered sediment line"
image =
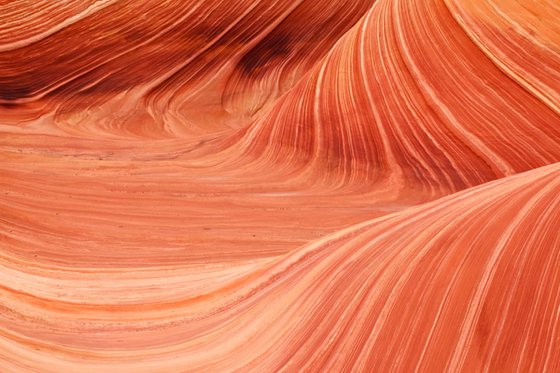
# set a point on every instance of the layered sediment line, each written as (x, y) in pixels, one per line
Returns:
(265, 185)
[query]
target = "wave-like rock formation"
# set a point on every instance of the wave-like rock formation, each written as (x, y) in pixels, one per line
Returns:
(247, 185)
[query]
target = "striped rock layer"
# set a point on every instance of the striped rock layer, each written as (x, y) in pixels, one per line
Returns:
(262, 185)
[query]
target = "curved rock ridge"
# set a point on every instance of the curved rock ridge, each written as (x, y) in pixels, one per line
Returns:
(274, 185)
(464, 283)
(408, 93)
(159, 60)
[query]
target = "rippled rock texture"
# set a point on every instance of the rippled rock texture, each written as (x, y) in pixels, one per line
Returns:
(308, 185)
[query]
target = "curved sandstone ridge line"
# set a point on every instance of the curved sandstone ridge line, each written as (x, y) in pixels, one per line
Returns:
(531, 30)
(465, 283)
(406, 93)
(277, 185)
(22, 28)
(226, 59)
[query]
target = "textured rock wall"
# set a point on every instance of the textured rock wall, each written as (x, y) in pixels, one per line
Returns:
(306, 185)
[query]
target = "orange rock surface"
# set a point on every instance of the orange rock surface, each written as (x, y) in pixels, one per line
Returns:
(309, 185)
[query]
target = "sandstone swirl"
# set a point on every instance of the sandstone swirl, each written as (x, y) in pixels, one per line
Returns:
(349, 185)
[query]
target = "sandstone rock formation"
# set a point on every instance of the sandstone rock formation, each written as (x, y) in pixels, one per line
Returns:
(307, 185)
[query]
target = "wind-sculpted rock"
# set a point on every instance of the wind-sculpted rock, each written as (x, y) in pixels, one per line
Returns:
(325, 186)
